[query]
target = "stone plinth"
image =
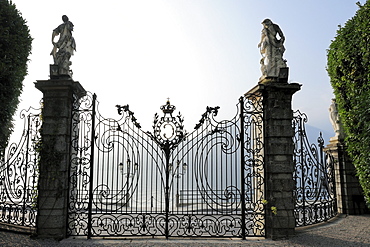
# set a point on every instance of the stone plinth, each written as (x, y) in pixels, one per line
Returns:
(58, 97)
(279, 167)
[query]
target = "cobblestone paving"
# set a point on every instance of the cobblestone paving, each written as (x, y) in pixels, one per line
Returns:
(351, 230)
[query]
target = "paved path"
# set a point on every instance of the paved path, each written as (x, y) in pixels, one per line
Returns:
(351, 230)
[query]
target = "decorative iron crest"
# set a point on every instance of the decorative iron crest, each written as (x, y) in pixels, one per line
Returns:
(168, 131)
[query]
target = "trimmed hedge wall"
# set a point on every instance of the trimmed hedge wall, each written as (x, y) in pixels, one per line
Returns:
(349, 71)
(15, 47)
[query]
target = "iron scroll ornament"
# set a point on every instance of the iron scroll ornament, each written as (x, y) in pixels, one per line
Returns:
(168, 131)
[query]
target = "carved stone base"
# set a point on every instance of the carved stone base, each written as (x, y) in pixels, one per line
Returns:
(281, 78)
(59, 73)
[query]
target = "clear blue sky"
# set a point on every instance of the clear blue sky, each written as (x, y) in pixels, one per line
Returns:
(197, 52)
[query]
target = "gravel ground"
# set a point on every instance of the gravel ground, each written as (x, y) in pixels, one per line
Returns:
(351, 230)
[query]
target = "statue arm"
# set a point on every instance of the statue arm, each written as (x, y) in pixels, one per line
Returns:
(73, 43)
(282, 37)
(55, 33)
(278, 30)
(54, 50)
(70, 26)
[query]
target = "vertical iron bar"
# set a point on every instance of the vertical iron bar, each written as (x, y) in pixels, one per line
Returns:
(262, 101)
(167, 199)
(89, 226)
(74, 110)
(300, 131)
(325, 175)
(158, 195)
(332, 175)
(144, 180)
(108, 168)
(117, 172)
(208, 195)
(242, 185)
(152, 180)
(99, 166)
(10, 214)
(25, 175)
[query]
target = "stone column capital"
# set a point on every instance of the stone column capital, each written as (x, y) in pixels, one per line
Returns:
(60, 84)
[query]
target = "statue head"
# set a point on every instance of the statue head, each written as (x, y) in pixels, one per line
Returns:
(266, 22)
(65, 18)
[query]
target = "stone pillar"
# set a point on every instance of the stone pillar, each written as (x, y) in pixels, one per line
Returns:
(58, 97)
(279, 167)
(350, 199)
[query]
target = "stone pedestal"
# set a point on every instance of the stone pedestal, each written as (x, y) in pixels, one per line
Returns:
(279, 167)
(350, 199)
(58, 97)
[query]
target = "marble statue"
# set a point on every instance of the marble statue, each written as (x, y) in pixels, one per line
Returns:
(272, 49)
(335, 121)
(64, 48)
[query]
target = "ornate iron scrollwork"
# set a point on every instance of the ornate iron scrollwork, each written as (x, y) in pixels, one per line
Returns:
(168, 182)
(315, 199)
(19, 174)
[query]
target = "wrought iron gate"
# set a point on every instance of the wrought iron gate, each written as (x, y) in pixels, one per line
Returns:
(19, 175)
(127, 182)
(315, 197)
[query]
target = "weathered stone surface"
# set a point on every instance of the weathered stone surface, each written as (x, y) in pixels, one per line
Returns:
(279, 166)
(283, 184)
(59, 107)
(280, 148)
(55, 155)
(52, 221)
(57, 128)
(280, 222)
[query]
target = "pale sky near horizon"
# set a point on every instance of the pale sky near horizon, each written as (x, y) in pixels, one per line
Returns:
(196, 52)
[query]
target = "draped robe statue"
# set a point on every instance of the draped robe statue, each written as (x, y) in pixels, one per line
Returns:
(64, 48)
(272, 49)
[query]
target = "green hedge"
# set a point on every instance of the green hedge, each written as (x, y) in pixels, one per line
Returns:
(349, 71)
(15, 47)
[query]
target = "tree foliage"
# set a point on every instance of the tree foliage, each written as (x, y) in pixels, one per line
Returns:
(15, 47)
(349, 71)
